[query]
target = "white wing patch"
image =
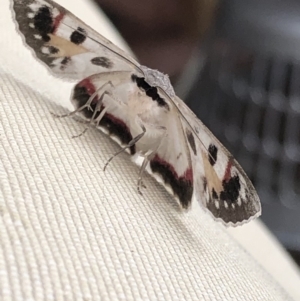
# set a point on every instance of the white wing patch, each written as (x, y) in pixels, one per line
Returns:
(137, 107)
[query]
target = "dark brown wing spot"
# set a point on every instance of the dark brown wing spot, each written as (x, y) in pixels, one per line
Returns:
(191, 140)
(45, 23)
(214, 194)
(66, 60)
(64, 63)
(212, 154)
(78, 36)
(102, 61)
(53, 50)
(231, 189)
(204, 183)
(43, 20)
(45, 38)
(179, 155)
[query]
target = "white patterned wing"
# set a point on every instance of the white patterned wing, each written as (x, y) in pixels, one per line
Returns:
(220, 183)
(64, 43)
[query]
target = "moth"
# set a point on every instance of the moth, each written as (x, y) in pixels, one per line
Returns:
(137, 106)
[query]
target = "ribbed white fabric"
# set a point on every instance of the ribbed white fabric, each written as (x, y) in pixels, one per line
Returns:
(69, 231)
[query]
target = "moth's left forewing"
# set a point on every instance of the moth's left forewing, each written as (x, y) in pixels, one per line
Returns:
(221, 185)
(68, 46)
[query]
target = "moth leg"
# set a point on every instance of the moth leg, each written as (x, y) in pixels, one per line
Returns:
(87, 104)
(96, 120)
(141, 172)
(147, 158)
(111, 94)
(93, 118)
(131, 143)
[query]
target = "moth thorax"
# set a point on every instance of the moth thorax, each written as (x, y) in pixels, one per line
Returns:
(157, 79)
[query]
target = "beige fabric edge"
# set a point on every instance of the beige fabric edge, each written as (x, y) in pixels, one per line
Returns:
(269, 253)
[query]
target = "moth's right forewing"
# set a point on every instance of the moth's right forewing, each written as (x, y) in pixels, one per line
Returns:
(221, 185)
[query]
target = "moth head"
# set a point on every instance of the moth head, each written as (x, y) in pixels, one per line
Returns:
(157, 79)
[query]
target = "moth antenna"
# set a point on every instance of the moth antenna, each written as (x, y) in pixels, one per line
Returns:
(141, 173)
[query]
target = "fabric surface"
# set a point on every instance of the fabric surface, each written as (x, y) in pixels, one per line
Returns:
(270, 254)
(69, 231)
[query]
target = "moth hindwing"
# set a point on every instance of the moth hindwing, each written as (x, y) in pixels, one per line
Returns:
(138, 107)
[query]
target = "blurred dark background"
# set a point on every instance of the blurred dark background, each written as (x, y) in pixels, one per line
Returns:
(236, 63)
